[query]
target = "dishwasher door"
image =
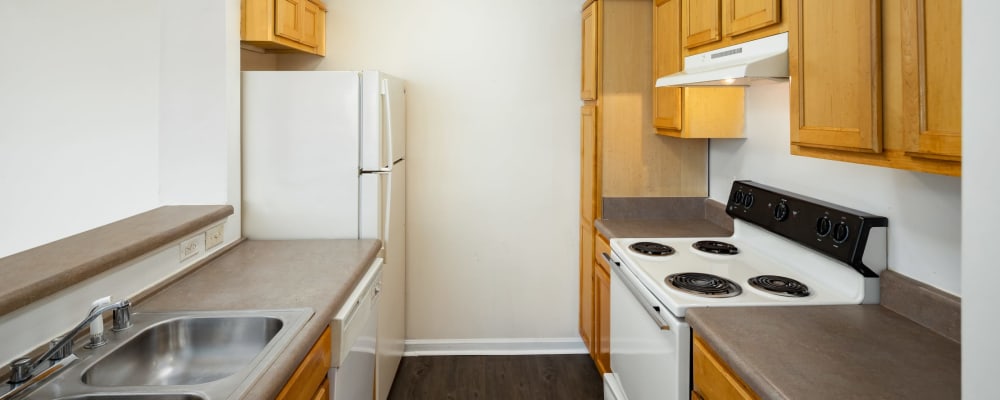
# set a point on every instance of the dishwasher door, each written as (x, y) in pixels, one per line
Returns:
(352, 372)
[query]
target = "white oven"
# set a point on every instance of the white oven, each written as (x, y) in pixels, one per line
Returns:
(786, 250)
(650, 347)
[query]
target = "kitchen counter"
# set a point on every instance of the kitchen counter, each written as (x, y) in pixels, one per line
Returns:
(44, 270)
(318, 274)
(832, 352)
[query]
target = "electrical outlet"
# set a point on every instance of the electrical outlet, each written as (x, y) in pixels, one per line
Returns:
(213, 236)
(191, 247)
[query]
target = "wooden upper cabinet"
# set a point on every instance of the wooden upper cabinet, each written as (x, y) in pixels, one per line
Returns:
(742, 16)
(588, 72)
(932, 78)
(690, 113)
(836, 70)
(701, 22)
(667, 59)
(285, 25)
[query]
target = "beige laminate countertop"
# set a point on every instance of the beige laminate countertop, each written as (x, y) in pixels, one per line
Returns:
(318, 274)
(832, 352)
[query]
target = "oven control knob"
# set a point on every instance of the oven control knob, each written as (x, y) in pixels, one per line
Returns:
(781, 211)
(823, 226)
(748, 200)
(841, 232)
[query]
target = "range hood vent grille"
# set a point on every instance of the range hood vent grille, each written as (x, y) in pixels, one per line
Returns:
(738, 50)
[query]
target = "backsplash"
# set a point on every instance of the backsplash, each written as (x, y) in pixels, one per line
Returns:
(924, 210)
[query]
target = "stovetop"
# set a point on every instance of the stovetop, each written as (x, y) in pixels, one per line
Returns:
(776, 234)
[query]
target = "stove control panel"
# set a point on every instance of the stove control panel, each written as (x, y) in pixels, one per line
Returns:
(839, 232)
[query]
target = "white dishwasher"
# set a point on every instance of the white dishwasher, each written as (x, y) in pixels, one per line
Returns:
(352, 368)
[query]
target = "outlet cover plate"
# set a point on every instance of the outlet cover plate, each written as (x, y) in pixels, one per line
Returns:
(214, 236)
(191, 247)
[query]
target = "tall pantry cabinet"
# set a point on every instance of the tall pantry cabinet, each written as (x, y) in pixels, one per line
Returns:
(621, 154)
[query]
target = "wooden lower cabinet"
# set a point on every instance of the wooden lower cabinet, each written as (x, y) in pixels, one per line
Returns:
(602, 305)
(711, 377)
(309, 381)
(587, 285)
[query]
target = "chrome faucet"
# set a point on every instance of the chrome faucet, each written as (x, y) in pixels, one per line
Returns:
(22, 371)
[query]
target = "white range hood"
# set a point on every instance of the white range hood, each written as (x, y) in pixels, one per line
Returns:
(764, 59)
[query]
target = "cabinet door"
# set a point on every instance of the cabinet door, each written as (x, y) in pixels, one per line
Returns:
(932, 78)
(742, 16)
(836, 70)
(288, 19)
(587, 287)
(712, 377)
(602, 304)
(667, 59)
(588, 73)
(588, 163)
(312, 17)
(310, 377)
(701, 22)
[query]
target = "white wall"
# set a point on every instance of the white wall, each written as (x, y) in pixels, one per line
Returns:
(127, 106)
(199, 119)
(78, 116)
(924, 210)
(980, 272)
(113, 109)
(493, 156)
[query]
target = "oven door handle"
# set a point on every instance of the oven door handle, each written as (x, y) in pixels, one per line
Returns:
(640, 294)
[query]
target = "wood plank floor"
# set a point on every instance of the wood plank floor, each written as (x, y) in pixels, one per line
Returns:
(529, 377)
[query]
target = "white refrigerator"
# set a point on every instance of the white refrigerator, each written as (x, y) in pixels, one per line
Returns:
(324, 157)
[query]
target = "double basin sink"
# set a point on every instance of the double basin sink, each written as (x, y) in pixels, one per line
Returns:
(208, 355)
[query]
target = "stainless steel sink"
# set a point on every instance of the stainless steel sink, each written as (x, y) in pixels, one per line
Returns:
(185, 351)
(178, 356)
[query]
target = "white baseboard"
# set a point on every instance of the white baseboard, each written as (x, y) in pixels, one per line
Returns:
(452, 347)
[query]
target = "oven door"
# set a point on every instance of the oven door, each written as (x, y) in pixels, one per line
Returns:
(650, 348)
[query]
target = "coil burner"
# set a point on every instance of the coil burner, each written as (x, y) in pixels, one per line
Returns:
(779, 285)
(652, 249)
(704, 284)
(715, 247)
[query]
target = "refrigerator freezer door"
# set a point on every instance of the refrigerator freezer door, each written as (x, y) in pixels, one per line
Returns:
(300, 154)
(383, 136)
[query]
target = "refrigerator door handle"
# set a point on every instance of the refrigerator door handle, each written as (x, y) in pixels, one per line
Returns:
(388, 120)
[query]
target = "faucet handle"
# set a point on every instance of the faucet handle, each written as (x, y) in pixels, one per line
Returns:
(61, 352)
(20, 370)
(122, 316)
